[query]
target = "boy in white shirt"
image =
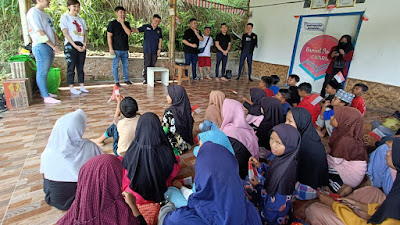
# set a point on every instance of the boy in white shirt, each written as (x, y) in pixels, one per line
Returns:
(74, 29)
(205, 56)
(44, 45)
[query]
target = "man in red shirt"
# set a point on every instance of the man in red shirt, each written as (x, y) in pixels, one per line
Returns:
(358, 101)
(304, 90)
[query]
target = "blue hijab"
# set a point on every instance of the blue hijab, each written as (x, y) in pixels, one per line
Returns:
(215, 136)
(219, 197)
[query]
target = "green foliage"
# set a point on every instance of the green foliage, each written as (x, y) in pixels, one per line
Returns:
(98, 13)
(10, 37)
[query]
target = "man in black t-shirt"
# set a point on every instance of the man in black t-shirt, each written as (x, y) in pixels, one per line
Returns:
(151, 44)
(191, 39)
(249, 42)
(223, 44)
(118, 32)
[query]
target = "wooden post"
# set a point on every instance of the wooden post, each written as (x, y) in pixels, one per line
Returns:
(248, 15)
(23, 9)
(172, 36)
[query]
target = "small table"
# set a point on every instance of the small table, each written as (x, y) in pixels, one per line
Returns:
(164, 75)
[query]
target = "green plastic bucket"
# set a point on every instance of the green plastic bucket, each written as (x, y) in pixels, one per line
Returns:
(53, 77)
(53, 80)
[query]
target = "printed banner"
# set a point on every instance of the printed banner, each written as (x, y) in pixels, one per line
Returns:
(217, 6)
(314, 55)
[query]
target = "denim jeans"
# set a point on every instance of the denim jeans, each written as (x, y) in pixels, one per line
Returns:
(124, 60)
(113, 132)
(249, 57)
(44, 56)
(224, 59)
(191, 58)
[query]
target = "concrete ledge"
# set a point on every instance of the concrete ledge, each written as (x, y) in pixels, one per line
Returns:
(99, 68)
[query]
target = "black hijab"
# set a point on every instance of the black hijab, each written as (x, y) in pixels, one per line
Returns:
(312, 163)
(347, 47)
(256, 95)
(390, 208)
(273, 115)
(281, 176)
(149, 159)
(182, 112)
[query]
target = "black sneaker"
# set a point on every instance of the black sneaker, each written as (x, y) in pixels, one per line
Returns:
(237, 78)
(250, 80)
(144, 81)
(118, 85)
(128, 82)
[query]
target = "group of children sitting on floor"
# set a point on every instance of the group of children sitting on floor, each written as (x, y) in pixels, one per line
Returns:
(249, 169)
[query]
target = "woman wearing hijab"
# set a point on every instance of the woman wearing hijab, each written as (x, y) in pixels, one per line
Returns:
(99, 198)
(367, 205)
(255, 115)
(274, 197)
(149, 160)
(178, 120)
(64, 155)
(348, 157)
(340, 56)
(273, 115)
(213, 116)
(219, 198)
(312, 169)
(235, 126)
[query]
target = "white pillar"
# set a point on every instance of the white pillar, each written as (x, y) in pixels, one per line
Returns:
(23, 9)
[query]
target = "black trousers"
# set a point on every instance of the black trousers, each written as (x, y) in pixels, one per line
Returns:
(149, 61)
(75, 59)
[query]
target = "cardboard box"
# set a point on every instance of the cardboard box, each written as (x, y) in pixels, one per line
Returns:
(18, 93)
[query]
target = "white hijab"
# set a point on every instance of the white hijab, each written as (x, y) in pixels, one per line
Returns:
(66, 151)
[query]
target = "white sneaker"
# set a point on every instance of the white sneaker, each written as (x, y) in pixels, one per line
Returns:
(50, 100)
(74, 91)
(84, 90)
(53, 95)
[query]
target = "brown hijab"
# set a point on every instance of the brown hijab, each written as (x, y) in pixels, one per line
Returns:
(214, 109)
(347, 139)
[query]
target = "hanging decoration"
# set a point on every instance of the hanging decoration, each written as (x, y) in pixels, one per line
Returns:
(217, 6)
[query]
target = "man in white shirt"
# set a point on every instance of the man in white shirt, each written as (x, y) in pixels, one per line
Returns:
(205, 56)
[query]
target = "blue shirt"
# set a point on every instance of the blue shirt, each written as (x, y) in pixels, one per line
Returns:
(285, 107)
(328, 114)
(275, 89)
(151, 38)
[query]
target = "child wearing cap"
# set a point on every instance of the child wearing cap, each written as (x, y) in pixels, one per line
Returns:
(341, 98)
(205, 53)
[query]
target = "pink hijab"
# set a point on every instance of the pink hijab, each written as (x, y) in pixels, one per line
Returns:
(235, 126)
(99, 197)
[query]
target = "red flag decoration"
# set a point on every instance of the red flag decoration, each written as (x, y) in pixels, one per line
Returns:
(316, 100)
(187, 181)
(217, 6)
(252, 172)
(339, 77)
(114, 94)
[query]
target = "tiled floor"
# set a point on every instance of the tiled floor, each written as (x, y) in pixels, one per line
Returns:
(24, 135)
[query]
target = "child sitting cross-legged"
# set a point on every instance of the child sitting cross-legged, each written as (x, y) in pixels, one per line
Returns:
(304, 90)
(358, 102)
(273, 194)
(123, 127)
(341, 98)
(265, 84)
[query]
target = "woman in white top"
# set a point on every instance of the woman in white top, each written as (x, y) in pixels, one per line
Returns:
(63, 157)
(44, 45)
(75, 31)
